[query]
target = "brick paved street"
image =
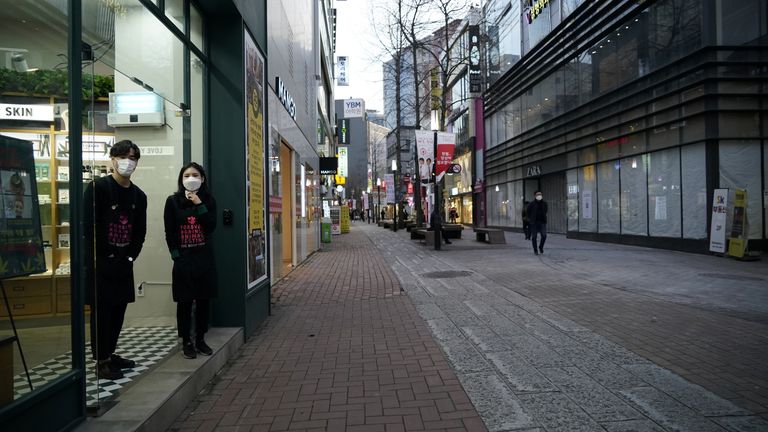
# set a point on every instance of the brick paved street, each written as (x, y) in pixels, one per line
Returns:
(587, 337)
(343, 350)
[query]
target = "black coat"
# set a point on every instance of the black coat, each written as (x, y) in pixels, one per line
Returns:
(537, 212)
(188, 233)
(115, 222)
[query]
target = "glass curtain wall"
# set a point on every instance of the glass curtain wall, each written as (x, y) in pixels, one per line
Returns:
(154, 99)
(35, 185)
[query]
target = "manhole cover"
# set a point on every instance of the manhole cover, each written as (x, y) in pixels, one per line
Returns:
(731, 277)
(446, 274)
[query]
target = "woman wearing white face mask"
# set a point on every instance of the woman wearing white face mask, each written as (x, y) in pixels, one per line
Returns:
(190, 219)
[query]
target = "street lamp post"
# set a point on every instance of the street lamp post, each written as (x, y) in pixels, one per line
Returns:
(436, 222)
(378, 199)
(396, 185)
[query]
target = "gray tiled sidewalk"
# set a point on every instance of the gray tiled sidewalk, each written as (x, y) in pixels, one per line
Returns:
(593, 336)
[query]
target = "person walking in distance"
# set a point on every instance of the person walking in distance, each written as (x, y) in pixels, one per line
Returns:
(537, 218)
(115, 223)
(190, 219)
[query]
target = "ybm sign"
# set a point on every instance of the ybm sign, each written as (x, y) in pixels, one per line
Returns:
(354, 108)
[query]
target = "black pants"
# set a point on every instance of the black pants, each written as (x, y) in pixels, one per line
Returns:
(538, 228)
(106, 323)
(184, 319)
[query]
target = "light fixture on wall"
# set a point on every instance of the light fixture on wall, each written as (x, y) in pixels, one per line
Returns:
(497, 188)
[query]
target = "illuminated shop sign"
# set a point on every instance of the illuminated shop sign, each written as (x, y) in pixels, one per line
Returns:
(535, 8)
(26, 112)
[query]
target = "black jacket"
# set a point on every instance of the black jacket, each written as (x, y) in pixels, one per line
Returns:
(188, 233)
(115, 223)
(537, 212)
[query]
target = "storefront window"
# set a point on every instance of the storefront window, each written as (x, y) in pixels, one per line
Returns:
(634, 195)
(740, 168)
(572, 186)
(608, 196)
(35, 196)
(146, 64)
(694, 175)
(664, 194)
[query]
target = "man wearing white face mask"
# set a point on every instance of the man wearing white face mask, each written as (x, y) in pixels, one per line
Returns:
(537, 218)
(116, 224)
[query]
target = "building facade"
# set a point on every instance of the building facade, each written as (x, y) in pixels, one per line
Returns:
(186, 80)
(626, 115)
(352, 141)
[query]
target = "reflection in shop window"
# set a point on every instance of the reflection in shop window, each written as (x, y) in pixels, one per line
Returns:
(664, 193)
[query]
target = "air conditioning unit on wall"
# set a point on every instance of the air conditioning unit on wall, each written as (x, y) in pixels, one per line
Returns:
(135, 109)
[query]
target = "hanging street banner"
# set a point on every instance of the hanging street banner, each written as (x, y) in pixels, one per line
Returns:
(446, 144)
(342, 129)
(737, 245)
(342, 66)
(389, 179)
(425, 143)
(343, 166)
(475, 69)
(719, 217)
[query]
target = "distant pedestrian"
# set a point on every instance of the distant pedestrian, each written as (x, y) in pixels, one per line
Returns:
(526, 222)
(382, 214)
(537, 217)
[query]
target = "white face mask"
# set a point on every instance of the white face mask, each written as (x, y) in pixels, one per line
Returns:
(539, 197)
(125, 167)
(192, 183)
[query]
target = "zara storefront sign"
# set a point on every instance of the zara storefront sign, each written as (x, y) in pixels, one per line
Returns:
(26, 112)
(533, 171)
(285, 98)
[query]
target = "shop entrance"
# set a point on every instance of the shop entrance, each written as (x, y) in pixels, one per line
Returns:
(286, 182)
(554, 190)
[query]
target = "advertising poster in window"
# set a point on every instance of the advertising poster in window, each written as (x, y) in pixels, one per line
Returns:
(719, 218)
(21, 240)
(254, 157)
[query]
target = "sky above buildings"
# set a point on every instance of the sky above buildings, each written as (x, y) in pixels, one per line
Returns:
(356, 39)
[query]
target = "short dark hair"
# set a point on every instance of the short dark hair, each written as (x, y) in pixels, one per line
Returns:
(537, 192)
(123, 148)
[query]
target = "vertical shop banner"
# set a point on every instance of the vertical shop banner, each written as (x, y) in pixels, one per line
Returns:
(737, 244)
(425, 148)
(389, 179)
(342, 67)
(719, 219)
(475, 68)
(343, 167)
(343, 131)
(446, 143)
(21, 239)
(254, 159)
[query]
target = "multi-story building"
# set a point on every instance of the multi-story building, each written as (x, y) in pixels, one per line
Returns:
(627, 115)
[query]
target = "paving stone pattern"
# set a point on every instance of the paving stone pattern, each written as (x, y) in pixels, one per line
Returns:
(343, 350)
(579, 339)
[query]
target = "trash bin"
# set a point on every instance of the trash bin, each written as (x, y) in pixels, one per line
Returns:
(325, 230)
